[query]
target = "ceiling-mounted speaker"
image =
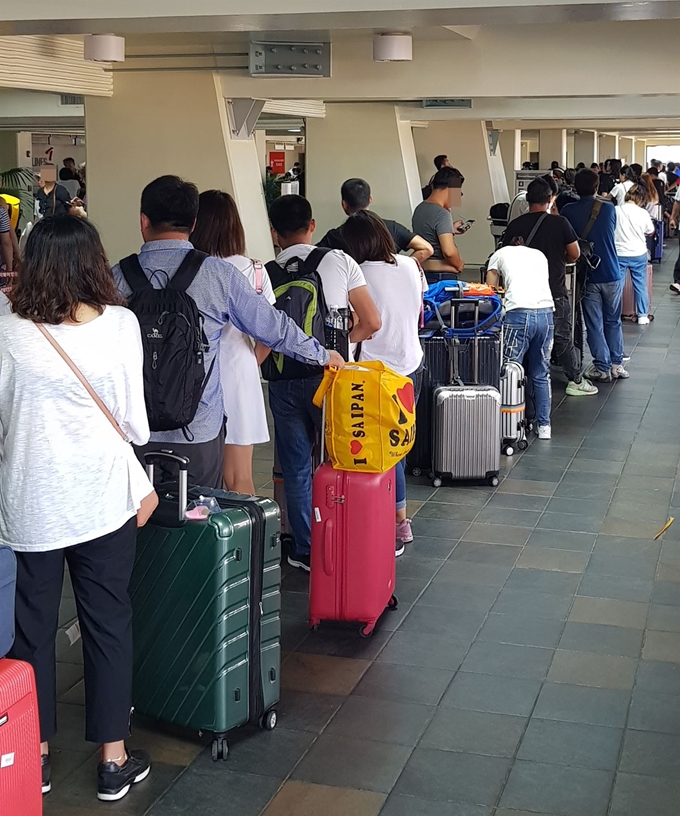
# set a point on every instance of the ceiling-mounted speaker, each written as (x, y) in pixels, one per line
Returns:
(104, 48)
(392, 48)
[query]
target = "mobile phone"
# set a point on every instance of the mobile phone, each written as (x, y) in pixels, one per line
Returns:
(466, 225)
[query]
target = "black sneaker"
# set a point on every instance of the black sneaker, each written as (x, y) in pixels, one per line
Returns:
(299, 561)
(46, 773)
(114, 781)
(400, 547)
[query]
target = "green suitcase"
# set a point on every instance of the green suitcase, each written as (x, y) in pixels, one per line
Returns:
(206, 599)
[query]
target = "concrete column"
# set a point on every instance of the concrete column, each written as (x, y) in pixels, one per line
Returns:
(626, 149)
(366, 141)
(260, 137)
(467, 145)
(552, 146)
(585, 147)
(15, 150)
(138, 134)
(571, 149)
(640, 152)
(609, 146)
(510, 146)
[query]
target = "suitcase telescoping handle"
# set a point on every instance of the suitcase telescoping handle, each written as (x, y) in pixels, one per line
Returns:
(475, 344)
(183, 464)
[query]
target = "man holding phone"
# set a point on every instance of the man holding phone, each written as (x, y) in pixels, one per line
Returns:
(433, 221)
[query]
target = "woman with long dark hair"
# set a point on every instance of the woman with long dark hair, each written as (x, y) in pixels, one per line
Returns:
(219, 232)
(396, 285)
(70, 486)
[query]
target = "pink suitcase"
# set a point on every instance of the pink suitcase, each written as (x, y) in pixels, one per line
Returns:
(628, 310)
(20, 773)
(353, 547)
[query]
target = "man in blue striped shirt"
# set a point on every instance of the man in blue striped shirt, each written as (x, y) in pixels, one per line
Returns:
(222, 294)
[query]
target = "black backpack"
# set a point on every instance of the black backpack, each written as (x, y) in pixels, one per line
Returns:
(299, 294)
(173, 340)
(588, 260)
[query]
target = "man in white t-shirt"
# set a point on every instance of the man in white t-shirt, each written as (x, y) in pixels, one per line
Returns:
(296, 419)
(528, 319)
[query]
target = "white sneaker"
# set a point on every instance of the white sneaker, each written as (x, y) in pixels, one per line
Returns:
(619, 373)
(626, 358)
(544, 432)
(582, 389)
(643, 321)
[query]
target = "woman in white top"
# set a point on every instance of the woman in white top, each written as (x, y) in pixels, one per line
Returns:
(652, 203)
(627, 179)
(396, 284)
(633, 225)
(70, 486)
(219, 232)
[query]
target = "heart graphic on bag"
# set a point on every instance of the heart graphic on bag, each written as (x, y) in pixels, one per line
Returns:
(407, 397)
(355, 447)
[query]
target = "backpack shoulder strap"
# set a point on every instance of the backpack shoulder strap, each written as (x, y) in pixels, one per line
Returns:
(134, 274)
(537, 226)
(597, 207)
(312, 261)
(187, 270)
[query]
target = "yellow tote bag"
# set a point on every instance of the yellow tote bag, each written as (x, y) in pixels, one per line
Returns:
(370, 416)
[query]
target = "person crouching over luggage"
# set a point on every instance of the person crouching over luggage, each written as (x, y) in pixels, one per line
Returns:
(70, 486)
(529, 309)
(396, 285)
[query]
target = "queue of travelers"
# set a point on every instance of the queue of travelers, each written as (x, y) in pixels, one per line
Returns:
(69, 297)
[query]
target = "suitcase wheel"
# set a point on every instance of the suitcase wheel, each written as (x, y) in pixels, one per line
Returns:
(269, 719)
(393, 603)
(522, 444)
(493, 481)
(509, 450)
(416, 471)
(437, 482)
(366, 630)
(220, 749)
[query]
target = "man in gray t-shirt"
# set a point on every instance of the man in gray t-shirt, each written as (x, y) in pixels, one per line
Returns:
(432, 220)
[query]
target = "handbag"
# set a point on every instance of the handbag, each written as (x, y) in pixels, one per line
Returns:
(149, 502)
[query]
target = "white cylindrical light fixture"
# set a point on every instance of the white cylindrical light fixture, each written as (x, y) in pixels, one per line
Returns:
(392, 47)
(104, 48)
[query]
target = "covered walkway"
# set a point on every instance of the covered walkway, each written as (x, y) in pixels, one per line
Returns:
(533, 665)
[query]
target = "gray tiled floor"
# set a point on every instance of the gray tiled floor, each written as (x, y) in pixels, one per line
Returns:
(533, 666)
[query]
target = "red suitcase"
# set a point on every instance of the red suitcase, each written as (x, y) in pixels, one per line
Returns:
(20, 773)
(353, 547)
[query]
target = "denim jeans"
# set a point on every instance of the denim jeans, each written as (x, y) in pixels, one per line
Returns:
(565, 352)
(296, 422)
(400, 470)
(638, 275)
(602, 312)
(529, 340)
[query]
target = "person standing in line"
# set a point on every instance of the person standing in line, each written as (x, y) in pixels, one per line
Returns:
(70, 486)
(627, 179)
(169, 208)
(554, 236)
(603, 288)
(633, 225)
(219, 232)
(528, 325)
(432, 220)
(396, 285)
(52, 198)
(356, 196)
(291, 390)
(675, 220)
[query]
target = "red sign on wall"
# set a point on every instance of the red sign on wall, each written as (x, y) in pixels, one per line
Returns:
(277, 161)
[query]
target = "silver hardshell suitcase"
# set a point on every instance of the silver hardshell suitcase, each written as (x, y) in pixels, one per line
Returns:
(513, 409)
(466, 423)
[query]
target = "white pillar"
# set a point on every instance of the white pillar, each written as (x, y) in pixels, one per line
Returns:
(571, 150)
(260, 137)
(608, 146)
(198, 145)
(15, 150)
(467, 145)
(627, 149)
(640, 153)
(552, 146)
(366, 141)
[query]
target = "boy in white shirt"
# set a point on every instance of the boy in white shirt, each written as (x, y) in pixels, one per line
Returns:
(296, 419)
(528, 319)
